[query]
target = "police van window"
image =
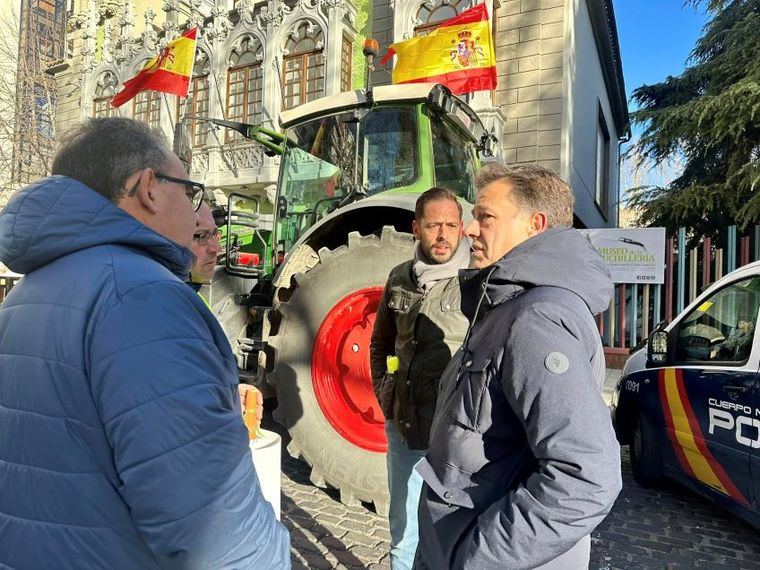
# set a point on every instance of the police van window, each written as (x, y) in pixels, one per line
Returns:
(722, 327)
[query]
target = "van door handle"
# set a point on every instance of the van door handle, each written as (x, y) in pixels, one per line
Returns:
(738, 389)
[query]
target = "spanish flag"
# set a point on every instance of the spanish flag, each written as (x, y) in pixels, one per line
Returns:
(169, 72)
(459, 54)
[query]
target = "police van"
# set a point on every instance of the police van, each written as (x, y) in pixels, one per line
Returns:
(689, 403)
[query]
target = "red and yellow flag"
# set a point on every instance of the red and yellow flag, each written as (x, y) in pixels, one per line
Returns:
(169, 72)
(459, 54)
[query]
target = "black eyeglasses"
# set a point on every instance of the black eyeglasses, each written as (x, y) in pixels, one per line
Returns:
(193, 190)
(204, 238)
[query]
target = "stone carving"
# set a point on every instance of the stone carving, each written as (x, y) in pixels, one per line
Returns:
(196, 17)
(244, 155)
(149, 36)
(245, 9)
(107, 41)
(219, 25)
(169, 6)
(244, 43)
(77, 21)
(108, 8)
(199, 162)
(273, 13)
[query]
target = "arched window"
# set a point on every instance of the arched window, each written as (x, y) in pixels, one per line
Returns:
(244, 86)
(105, 89)
(303, 66)
(432, 17)
(198, 99)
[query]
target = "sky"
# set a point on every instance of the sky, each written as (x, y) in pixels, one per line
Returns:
(656, 38)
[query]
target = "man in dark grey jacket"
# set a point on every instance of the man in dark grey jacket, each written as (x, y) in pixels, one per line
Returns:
(419, 325)
(523, 462)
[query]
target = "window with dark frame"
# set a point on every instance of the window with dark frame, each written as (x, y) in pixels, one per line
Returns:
(432, 17)
(346, 57)
(304, 67)
(104, 92)
(198, 101)
(244, 87)
(602, 175)
(146, 107)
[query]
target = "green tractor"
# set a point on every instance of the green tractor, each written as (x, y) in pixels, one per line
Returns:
(304, 290)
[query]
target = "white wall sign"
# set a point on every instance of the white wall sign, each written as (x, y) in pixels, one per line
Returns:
(632, 255)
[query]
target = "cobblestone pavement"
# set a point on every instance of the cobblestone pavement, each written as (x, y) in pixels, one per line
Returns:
(668, 528)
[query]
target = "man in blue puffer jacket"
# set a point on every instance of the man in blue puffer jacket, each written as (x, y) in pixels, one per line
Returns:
(121, 441)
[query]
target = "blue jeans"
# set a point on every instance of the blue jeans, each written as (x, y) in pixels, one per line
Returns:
(405, 485)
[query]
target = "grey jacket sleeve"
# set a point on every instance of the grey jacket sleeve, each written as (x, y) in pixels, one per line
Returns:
(569, 431)
(383, 342)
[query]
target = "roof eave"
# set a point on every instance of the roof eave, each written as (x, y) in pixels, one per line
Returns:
(606, 38)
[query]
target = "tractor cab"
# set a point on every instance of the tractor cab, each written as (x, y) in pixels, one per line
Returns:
(347, 147)
(405, 138)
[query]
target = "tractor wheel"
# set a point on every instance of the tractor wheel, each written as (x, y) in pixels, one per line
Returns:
(321, 372)
(646, 459)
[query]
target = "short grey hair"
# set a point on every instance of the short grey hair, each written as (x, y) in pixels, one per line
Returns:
(535, 189)
(103, 152)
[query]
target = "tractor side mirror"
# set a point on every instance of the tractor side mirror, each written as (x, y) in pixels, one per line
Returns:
(282, 207)
(657, 346)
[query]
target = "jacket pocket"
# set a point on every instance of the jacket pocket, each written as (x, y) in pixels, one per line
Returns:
(401, 301)
(450, 301)
(470, 393)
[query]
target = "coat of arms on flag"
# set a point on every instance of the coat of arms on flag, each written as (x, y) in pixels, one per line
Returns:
(169, 72)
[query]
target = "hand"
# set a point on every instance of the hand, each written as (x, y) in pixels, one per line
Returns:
(252, 404)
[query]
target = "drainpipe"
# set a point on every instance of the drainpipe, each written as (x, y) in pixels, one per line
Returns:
(621, 141)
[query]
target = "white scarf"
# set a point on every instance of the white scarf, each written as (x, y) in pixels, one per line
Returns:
(428, 274)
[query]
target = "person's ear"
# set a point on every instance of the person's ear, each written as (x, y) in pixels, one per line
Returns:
(539, 222)
(146, 190)
(416, 230)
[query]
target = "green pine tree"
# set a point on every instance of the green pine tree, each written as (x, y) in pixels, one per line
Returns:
(709, 116)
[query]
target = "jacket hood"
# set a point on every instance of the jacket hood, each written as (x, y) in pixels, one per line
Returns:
(560, 257)
(58, 215)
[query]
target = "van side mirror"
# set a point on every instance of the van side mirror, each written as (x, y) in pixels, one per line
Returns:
(657, 348)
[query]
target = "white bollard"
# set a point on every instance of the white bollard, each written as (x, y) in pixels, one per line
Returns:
(266, 451)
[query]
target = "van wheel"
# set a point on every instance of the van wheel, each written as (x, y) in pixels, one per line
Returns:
(646, 459)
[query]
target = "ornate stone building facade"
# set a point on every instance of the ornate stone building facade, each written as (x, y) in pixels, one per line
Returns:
(253, 60)
(560, 101)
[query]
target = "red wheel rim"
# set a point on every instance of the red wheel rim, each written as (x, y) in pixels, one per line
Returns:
(340, 370)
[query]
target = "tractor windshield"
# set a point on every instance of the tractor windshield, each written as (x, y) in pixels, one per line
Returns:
(333, 159)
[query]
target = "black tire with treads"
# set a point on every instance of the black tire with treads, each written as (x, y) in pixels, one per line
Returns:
(365, 261)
